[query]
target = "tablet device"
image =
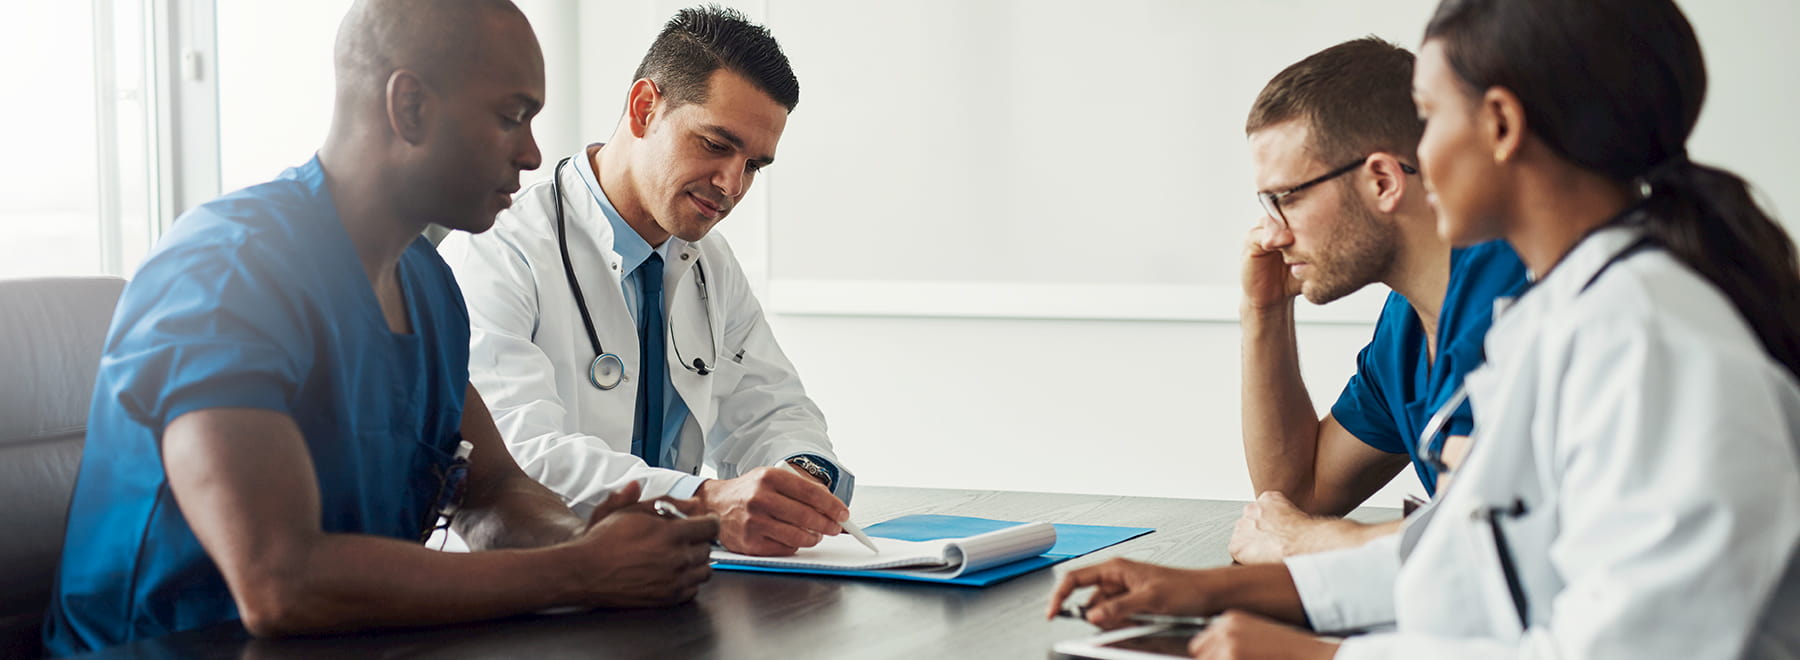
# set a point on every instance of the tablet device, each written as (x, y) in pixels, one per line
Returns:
(1157, 642)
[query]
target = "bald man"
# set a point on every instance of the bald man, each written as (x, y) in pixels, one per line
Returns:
(283, 410)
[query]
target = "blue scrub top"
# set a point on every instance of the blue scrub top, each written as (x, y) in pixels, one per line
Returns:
(255, 300)
(1397, 387)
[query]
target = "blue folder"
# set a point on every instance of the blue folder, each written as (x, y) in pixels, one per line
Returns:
(1071, 541)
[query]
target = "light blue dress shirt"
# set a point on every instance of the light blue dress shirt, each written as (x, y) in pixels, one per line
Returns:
(633, 250)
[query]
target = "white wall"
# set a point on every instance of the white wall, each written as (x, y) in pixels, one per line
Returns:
(920, 386)
(276, 87)
(1139, 408)
(614, 36)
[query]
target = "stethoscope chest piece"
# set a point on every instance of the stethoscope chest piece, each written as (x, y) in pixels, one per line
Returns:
(606, 371)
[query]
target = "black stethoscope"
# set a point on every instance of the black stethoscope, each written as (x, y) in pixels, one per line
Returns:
(607, 370)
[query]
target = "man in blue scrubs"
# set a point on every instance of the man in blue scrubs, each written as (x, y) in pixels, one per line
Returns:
(283, 408)
(1334, 142)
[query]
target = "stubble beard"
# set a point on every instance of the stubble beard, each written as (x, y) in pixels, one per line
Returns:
(1356, 254)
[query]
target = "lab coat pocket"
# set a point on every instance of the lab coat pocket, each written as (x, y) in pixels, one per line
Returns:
(728, 376)
(716, 388)
(1496, 565)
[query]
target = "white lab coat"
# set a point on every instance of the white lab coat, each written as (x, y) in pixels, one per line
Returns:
(529, 354)
(1653, 445)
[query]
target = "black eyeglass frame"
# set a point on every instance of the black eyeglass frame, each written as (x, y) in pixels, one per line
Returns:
(1271, 201)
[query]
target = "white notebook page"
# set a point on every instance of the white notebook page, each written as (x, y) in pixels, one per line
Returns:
(948, 557)
(843, 552)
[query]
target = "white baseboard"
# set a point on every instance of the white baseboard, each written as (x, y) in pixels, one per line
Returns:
(1105, 302)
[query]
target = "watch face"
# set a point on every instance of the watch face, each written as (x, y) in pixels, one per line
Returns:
(812, 469)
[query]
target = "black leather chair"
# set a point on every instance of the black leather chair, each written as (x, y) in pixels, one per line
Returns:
(51, 334)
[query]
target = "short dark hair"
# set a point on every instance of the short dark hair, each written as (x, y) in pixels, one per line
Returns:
(701, 40)
(1355, 96)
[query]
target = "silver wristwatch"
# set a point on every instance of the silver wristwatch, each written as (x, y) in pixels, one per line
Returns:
(812, 469)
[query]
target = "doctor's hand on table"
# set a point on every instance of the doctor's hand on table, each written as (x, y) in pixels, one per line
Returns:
(771, 511)
(629, 556)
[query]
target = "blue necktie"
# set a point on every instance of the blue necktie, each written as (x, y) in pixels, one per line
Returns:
(647, 433)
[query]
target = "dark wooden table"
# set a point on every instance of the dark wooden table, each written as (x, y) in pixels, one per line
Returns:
(752, 615)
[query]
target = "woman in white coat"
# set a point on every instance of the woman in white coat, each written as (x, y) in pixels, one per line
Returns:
(1633, 485)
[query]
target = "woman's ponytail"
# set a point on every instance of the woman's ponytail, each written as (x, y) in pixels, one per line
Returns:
(1707, 218)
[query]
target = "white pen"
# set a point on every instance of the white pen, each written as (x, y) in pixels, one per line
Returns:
(862, 538)
(809, 472)
(666, 509)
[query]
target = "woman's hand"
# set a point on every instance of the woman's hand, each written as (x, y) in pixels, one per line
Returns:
(1124, 587)
(1243, 636)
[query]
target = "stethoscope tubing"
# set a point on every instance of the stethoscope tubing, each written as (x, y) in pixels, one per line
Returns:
(607, 370)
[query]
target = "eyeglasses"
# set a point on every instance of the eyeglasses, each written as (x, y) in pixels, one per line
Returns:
(1271, 201)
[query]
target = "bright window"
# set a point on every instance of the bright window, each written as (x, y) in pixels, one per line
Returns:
(79, 169)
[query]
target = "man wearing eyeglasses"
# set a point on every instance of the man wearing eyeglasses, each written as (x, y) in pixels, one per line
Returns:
(1333, 142)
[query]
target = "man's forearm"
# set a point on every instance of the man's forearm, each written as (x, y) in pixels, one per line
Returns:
(1336, 533)
(350, 582)
(1280, 426)
(1266, 589)
(520, 513)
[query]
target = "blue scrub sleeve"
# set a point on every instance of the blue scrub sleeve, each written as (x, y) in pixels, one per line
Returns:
(1364, 412)
(206, 330)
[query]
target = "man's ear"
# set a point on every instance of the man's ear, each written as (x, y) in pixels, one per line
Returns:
(1502, 123)
(1389, 180)
(643, 101)
(409, 106)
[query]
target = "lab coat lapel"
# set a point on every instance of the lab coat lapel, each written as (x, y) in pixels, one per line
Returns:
(689, 337)
(600, 271)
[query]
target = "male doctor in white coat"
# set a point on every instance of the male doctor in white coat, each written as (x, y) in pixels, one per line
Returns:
(616, 341)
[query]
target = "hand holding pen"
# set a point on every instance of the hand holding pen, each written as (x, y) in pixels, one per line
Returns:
(667, 509)
(628, 556)
(844, 522)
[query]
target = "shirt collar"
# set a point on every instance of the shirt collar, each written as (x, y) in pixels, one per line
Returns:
(1593, 253)
(631, 248)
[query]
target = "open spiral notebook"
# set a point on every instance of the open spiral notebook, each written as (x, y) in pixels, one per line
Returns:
(941, 557)
(938, 548)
